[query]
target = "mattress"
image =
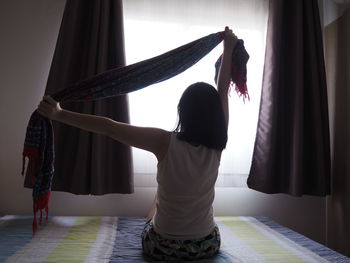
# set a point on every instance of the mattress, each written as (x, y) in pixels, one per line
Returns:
(117, 240)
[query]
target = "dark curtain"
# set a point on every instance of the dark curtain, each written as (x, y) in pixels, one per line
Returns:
(90, 41)
(337, 43)
(291, 153)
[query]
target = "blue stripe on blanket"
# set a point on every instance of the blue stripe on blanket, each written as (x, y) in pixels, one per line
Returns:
(127, 245)
(321, 250)
(14, 236)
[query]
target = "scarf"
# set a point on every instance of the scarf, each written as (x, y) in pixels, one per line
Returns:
(39, 139)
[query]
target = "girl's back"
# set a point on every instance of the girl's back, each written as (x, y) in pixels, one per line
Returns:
(186, 178)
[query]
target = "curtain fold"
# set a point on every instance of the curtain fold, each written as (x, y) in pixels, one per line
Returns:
(291, 153)
(90, 41)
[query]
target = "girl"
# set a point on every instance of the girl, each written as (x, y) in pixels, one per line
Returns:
(181, 223)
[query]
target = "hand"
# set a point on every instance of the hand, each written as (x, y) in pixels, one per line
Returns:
(49, 108)
(230, 39)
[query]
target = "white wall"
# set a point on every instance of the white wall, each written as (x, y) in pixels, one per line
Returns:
(28, 33)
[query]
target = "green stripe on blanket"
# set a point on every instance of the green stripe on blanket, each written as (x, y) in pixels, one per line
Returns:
(75, 246)
(259, 243)
(270, 250)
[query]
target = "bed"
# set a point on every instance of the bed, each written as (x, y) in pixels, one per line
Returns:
(117, 240)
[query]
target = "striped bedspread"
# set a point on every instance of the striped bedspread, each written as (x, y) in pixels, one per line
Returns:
(117, 240)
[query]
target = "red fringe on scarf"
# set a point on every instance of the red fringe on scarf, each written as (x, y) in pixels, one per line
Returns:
(41, 203)
(239, 78)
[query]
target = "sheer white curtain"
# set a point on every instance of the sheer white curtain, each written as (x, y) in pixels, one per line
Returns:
(154, 27)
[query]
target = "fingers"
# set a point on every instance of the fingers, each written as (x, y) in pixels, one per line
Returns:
(49, 100)
(229, 33)
(49, 108)
(43, 108)
(45, 105)
(230, 39)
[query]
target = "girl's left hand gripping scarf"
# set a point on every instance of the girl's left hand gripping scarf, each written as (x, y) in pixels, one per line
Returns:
(39, 140)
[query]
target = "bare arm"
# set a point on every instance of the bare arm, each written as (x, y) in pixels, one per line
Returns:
(224, 77)
(154, 140)
(150, 139)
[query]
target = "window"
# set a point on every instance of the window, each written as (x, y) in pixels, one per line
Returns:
(154, 27)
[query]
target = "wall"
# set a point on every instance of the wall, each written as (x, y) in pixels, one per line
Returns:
(28, 32)
(337, 42)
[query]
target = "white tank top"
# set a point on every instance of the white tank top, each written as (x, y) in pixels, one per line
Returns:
(186, 178)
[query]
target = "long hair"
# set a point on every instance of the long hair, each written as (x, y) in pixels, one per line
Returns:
(201, 117)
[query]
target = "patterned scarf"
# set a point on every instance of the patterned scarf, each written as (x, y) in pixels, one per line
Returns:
(39, 140)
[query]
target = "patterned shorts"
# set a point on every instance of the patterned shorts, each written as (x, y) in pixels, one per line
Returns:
(162, 249)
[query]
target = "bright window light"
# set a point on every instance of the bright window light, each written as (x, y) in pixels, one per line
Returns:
(156, 105)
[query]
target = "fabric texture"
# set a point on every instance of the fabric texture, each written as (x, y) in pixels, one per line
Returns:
(39, 149)
(92, 239)
(186, 178)
(292, 146)
(159, 248)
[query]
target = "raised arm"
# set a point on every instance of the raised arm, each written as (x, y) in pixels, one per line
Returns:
(224, 77)
(150, 139)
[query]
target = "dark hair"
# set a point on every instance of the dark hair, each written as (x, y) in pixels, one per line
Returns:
(201, 117)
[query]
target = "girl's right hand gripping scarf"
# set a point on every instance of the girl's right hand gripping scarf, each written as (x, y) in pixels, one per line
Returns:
(39, 140)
